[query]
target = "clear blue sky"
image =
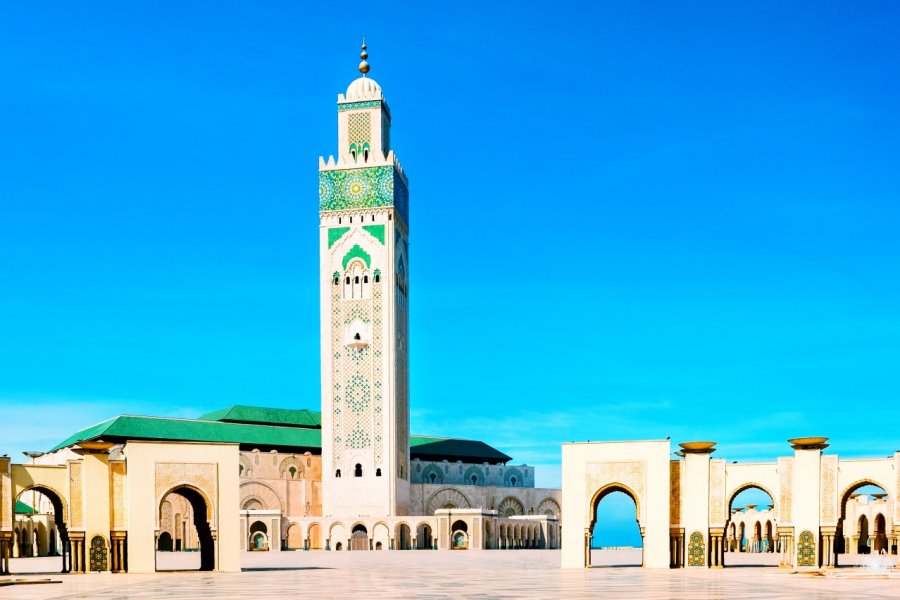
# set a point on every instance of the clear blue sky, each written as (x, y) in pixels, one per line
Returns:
(628, 220)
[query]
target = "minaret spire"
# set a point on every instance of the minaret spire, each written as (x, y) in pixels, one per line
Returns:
(364, 66)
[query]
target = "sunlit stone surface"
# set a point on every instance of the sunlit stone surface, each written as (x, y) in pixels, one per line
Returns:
(447, 574)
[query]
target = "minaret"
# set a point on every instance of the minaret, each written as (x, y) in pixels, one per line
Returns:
(363, 229)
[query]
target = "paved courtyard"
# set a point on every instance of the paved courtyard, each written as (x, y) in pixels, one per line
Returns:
(493, 574)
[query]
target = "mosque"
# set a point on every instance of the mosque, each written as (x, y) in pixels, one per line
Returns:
(349, 478)
(117, 495)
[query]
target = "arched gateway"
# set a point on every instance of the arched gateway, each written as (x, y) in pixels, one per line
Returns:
(684, 505)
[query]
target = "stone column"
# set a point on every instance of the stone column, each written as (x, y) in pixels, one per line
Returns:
(676, 538)
(806, 488)
(716, 547)
(77, 540)
(695, 491)
(587, 547)
(117, 551)
(4, 553)
(828, 534)
(785, 540)
(643, 545)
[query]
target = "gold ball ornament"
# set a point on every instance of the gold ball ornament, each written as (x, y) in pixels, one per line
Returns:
(364, 66)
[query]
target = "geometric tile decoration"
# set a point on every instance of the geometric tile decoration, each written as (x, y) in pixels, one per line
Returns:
(358, 105)
(376, 231)
(368, 187)
(806, 550)
(98, 556)
(359, 129)
(357, 252)
(336, 233)
(696, 550)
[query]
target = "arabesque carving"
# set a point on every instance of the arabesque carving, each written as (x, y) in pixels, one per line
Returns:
(717, 493)
(675, 494)
(631, 473)
(785, 493)
(829, 490)
(76, 498)
(117, 471)
(200, 476)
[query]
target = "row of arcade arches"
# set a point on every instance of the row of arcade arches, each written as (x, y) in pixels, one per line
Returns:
(615, 525)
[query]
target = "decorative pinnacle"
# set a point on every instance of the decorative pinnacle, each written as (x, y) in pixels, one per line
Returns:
(364, 66)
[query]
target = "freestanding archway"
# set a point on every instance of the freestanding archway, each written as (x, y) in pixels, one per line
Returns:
(25, 538)
(593, 470)
(620, 500)
(200, 508)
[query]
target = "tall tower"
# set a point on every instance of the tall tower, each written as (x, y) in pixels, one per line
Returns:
(363, 232)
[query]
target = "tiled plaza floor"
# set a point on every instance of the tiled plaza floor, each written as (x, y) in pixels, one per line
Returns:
(476, 575)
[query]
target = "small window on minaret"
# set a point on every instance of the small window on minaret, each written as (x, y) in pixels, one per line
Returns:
(357, 471)
(366, 155)
(365, 279)
(356, 336)
(377, 278)
(337, 473)
(356, 279)
(377, 472)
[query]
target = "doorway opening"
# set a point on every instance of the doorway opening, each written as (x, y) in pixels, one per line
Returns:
(861, 528)
(184, 514)
(359, 538)
(459, 535)
(751, 535)
(424, 539)
(40, 541)
(615, 532)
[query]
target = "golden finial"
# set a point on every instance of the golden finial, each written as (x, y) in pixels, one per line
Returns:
(364, 66)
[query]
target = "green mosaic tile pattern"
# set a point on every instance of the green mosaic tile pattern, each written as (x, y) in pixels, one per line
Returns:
(358, 105)
(357, 252)
(98, 555)
(806, 550)
(369, 187)
(696, 550)
(376, 231)
(336, 233)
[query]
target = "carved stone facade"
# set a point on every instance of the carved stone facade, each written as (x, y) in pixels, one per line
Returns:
(717, 509)
(76, 499)
(117, 474)
(629, 473)
(200, 476)
(675, 476)
(785, 492)
(829, 502)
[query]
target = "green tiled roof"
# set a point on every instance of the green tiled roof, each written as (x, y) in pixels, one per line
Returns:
(126, 427)
(24, 509)
(269, 428)
(267, 416)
